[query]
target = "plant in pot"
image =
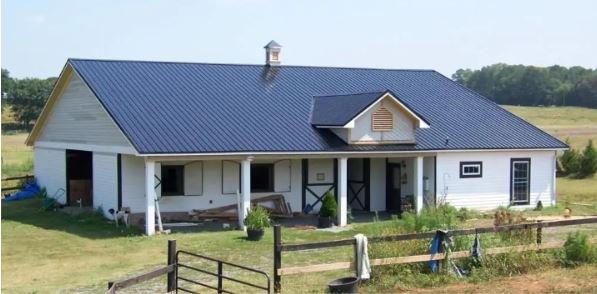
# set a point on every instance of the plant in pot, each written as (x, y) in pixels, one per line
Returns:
(327, 212)
(257, 219)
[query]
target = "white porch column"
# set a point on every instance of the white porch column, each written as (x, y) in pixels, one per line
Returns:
(342, 191)
(149, 197)
(245, 184)
(418, 183)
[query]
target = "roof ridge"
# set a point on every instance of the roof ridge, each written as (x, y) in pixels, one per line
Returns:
(351, 94)
(249, 64)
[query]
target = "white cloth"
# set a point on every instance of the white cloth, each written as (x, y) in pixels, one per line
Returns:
(363, 265)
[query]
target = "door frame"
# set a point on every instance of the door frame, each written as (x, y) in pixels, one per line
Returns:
(512, 160)
(389, 186)
(68, 175)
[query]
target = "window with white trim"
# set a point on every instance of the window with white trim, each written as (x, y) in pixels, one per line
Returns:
(471, 169)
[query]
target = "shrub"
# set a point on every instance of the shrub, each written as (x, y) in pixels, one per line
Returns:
(257, 219)
(588, 162)
(570, 161)
(328, 206)
(578, 249)
(539, 206)
(444, 216)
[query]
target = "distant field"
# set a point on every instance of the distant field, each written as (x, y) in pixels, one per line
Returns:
(17, 159)
(578, 124)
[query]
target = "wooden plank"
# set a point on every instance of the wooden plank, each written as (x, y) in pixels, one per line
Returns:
(142, 277)
(315, 268)
(18, 178)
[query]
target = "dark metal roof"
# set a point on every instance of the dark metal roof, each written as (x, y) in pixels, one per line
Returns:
(168, 107)
(338, 110)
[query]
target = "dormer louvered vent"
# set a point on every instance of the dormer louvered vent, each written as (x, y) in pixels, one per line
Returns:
(383, 121)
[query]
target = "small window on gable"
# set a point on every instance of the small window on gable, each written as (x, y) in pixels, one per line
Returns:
(383, 120)
(471, 169)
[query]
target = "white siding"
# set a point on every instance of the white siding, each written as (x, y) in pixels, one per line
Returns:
(50, 171)
(133, 195)
(404, 127)
(79, 118)
(493, 188)
(105, 182)
(429, 180)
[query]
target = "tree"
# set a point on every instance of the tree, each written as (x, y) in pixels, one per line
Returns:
(570, 161)
(588, 163)
(26, 98)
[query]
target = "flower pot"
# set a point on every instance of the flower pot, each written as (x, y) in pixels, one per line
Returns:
(325, 222)
(344, 285)
(254, 235)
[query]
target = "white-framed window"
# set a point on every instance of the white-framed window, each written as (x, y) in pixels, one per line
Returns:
(471, 169)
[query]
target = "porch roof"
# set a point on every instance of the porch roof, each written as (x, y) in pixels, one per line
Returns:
(173, 107)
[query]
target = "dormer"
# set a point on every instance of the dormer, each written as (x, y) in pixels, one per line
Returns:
(367, 118)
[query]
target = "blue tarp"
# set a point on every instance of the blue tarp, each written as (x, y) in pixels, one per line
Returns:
(31, 190)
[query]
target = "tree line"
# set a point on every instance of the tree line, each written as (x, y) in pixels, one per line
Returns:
(533, 86)
(25, 97)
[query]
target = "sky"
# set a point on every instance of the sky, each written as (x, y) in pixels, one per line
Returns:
(39, 36)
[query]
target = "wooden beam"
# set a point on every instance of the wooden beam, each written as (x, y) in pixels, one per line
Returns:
(140, 278)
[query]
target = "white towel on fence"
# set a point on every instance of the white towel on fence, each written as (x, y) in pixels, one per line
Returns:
(363, 266)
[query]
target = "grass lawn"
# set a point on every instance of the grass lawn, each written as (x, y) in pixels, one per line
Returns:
(577, 124)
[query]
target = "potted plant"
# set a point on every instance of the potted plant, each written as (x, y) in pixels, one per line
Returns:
(327, 212)
(256, 221)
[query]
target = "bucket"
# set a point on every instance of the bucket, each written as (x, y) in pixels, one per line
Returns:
(344, 285)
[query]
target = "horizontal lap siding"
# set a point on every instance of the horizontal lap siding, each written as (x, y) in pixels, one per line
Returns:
(50, 170)
(105, 182)
(133, 183)
(78, 117)
(493, 188)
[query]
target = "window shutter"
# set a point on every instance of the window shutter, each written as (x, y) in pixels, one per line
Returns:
(230, 177)
(193, 178)
(282, 176)
(383, 121)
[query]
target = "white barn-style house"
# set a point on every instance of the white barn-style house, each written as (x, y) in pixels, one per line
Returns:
(118, 134)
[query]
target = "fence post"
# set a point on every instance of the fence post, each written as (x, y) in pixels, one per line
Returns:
(356, 259)
(277, 258)
(171, 287)
(441, 249)
(220, 272)
(539, 232)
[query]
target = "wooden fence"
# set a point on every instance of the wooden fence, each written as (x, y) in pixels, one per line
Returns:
(21, 180)
(280, 247)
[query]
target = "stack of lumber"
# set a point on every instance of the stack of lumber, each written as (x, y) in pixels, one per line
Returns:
(275, 204)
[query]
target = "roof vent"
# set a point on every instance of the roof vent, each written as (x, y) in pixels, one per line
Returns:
(272, 53)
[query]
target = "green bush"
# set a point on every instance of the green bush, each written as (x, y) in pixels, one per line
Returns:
(328, 206)
(578, 250)
(444, 216)
(570, 161)
(257, 219)
(588, 162)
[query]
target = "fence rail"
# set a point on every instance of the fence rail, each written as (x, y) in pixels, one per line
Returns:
(279, 247)
(27, 179)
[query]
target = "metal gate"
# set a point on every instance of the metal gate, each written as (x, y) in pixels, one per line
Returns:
(182, 282)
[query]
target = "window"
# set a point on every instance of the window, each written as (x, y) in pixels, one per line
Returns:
(275, 56)
(383, 121)
(471, 169)
(262, 177)
(172, 180)
(520, 185)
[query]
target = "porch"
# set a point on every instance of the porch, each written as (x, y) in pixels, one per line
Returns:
(377, 183)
